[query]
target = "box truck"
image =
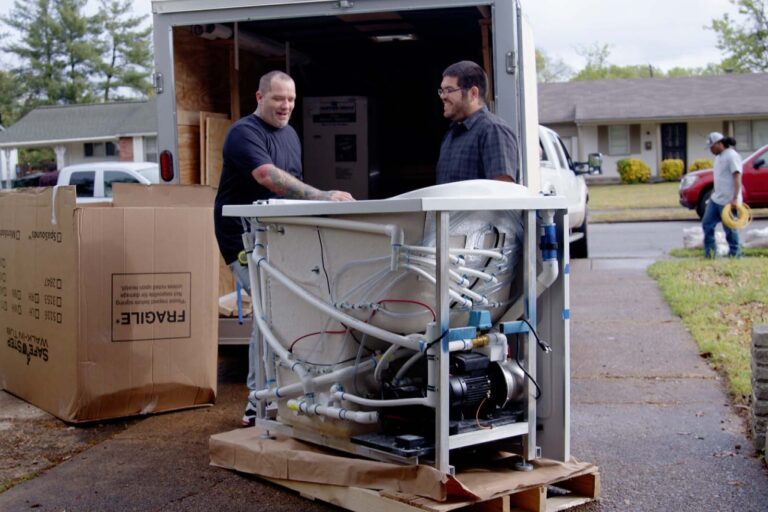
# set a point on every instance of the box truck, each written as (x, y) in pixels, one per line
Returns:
(366, 73)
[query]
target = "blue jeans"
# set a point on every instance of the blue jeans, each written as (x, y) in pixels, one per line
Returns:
(713, 216)
(241, 274)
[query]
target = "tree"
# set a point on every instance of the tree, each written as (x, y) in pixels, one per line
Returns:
(551, 70)
(745, 45)
(126, 56)
(67, 57)
(76, 35)
(38, 49)
(10, 95)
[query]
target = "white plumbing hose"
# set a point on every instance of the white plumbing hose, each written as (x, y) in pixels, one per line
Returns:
(394, 231)
(296, 389)
(347, 320)
(365, 417)
(258, 317)
(454, 295)
(369, 402)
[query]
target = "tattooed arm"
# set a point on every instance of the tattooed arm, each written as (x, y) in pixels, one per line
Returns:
(285, 185)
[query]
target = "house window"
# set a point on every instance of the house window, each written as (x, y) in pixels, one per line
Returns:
(618, 139)
(751, 135)
(100, 149)
(150, 149)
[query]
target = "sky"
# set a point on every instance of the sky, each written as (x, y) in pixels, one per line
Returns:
(663, 33)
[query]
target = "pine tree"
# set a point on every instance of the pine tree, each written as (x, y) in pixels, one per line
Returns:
(76, 34)
(126, 55)
(38, 50)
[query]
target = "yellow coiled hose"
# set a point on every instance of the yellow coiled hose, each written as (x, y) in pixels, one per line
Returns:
(736, 217)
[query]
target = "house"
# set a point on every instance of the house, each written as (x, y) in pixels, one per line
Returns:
(124, 131)
(655, 119)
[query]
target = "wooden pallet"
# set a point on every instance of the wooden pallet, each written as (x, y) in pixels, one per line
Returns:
(554, 496)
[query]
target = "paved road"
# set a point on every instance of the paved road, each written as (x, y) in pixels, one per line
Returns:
(642, 240)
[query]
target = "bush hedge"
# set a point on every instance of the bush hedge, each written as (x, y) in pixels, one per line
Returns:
(633, 170)
(672, 169)
(701, 163)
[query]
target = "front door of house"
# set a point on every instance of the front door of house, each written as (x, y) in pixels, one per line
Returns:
(673, 137)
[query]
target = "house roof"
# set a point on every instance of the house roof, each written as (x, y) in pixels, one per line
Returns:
(69, 123)
(716, 96)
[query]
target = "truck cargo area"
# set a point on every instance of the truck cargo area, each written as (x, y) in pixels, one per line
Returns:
(393, 61)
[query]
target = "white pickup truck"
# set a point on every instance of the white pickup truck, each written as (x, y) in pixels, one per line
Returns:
(94, 180)
(560, 175)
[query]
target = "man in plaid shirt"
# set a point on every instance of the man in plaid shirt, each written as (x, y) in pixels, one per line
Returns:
(479, 144)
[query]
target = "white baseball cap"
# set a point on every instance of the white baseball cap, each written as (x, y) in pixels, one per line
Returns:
(713, 138)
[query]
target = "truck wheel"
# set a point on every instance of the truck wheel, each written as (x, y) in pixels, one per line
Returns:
(580, 248)
(702, 206)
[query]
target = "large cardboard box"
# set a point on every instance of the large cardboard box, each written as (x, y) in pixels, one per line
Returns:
(109, 310)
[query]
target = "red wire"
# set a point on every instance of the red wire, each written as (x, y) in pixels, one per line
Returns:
(317, 333)
(382, 301)
(408, 301)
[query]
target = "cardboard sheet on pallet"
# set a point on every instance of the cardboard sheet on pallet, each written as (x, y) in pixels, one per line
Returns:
(289, 459)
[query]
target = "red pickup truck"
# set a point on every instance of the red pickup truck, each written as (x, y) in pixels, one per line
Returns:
(696, 186)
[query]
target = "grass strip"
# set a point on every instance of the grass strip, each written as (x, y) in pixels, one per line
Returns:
(719, 301)
(639, 195)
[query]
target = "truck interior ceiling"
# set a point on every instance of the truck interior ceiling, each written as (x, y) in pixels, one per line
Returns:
(394, 60)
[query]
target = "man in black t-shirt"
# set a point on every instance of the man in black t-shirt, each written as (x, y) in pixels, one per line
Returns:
(262, 159)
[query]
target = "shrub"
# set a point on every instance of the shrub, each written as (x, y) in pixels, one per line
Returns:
(700, 163)
(633, 170)
(672, 169)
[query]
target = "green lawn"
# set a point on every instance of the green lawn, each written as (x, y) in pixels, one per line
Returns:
(640, 195)
(719, 301)
(641, 202)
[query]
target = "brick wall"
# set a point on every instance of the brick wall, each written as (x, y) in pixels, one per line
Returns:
(760, 386)
(126, 149)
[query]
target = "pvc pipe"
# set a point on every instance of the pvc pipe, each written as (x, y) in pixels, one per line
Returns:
(334, 412)
(394, 231)
(454, 295)
(347, 320)
(259, 248)
(548, 275)
(458, 250)
(266, 331)
(407, 365)
(368, 402)
(460, 280)
(327, 378)
(488, 278)
(389, 355)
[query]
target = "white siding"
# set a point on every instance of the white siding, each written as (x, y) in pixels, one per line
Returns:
(697, 136)
(649, 134)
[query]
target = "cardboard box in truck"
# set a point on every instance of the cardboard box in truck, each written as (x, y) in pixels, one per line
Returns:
(108, 310)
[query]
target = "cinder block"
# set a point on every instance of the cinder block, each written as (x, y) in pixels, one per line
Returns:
(760, 391)
(760, 356)
(759, 424)
(760, 408)
(760, 335)
(759, 374)
(761, 442)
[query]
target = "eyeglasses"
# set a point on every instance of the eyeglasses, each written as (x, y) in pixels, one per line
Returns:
(448, 90)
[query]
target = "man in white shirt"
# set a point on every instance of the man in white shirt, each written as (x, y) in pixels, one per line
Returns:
(727, 192)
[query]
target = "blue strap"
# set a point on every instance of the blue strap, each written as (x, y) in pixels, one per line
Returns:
(239, 290)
